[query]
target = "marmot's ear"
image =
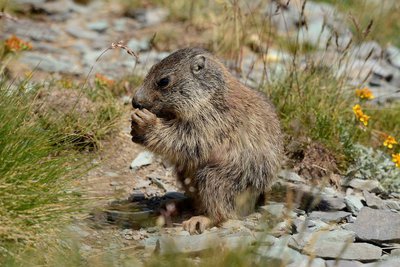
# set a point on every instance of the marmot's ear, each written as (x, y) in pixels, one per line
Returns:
(198, 64)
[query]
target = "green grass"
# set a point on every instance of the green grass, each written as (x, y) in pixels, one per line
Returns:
(35, 169)
(384, 14)
(40, 158)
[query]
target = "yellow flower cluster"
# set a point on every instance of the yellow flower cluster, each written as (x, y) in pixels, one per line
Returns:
(390, 141)
(365, 93)
(360, 114)
(396, 159)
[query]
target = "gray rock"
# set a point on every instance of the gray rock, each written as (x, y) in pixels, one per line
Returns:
(301, 240)
(309, 225)
(393, 56)
(238, 240)
(317, 33)
(265, 239)
(144, 158)
(168, 244)
(150, 243)
(290, 176)
(36, 31)
(139, 45)
(395, 252)
(308, 262)
(120, 25)
(80, 33)
(343, 263)
(149, 17)
(280, 255)
(369, 49)
(391, 262)
(331, 216)
(373, 201)
(48, 63)
(344, 250)
(353, 204)
(368, 185)
(392, 204)
(278, 210)
(334, 203)
(377, 225)
(98, 26)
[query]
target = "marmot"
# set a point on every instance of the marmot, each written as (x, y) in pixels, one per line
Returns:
(223, 138)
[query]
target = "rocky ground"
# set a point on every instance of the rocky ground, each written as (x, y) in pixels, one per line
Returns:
(356, 222)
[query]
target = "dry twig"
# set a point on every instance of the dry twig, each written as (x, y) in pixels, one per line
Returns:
(121, 45)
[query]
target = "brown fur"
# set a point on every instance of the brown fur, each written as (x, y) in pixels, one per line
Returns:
(223, 138)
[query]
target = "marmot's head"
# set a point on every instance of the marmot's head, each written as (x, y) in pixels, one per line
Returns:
(181, 85)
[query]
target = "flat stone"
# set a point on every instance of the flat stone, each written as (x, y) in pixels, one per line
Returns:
(80, 33)
(393, 56)
(377, 225)
(331, 216)
(277, 210)
(391, 262)
(309, 225)
(395, 252)
(301, 240)
(279, 255)
(369, 185)
(291, 176)
(369, 49)
(265, 239)
(353, 204)
(373, 201)
(392, 204)
(36, 31)
(343, 263)
(143, 159)
(150, 16)
(48, 63)
(98, 26)
(168, 244)
(308, 262)
(139, 45)
(344, 250)
(334, 203)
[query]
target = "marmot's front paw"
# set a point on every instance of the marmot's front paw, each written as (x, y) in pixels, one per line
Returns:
(197, 224)
(143, 121)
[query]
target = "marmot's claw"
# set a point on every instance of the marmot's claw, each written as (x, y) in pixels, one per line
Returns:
(196, 224)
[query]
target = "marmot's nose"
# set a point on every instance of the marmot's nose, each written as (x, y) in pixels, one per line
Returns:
(136, 104)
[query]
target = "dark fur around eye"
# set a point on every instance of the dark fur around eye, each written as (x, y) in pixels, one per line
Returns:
(163, 82)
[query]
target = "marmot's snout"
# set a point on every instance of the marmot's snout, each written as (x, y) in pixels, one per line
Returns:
(139, 99)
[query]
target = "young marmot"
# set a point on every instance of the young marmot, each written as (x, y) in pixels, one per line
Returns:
(223, 138)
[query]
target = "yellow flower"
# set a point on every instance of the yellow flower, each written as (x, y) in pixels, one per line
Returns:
(364, 93)
(396, 159)
(390, 141)
(360, 114)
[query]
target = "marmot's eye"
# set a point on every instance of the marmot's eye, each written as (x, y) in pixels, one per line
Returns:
(163, 82)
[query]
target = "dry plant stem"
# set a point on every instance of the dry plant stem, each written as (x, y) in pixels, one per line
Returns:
(121, 45)
(7, 16)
